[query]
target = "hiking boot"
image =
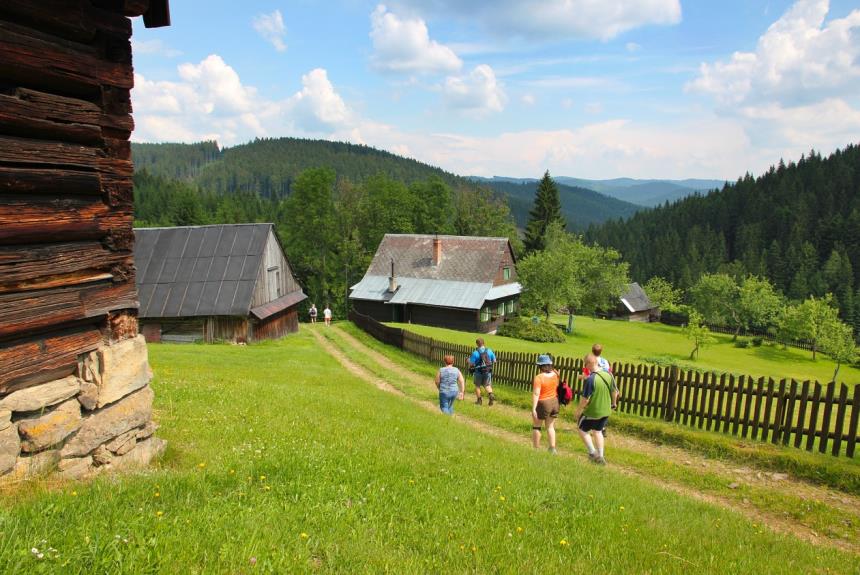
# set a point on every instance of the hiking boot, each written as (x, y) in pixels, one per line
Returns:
(553, 451)
(479, 401)
(492, 399)
(592, 457)
(599, 460)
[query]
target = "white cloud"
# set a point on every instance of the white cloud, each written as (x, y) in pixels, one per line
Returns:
(528, 99)
(209, 101)
(404, 46)
(318, 107)
(155, 46)
(554, 19)
(271, 28)
(799, 60)
(478, 92)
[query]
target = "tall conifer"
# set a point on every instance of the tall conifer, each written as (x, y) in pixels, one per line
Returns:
(546, 210)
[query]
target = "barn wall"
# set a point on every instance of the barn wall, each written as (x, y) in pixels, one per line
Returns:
(277, 326)
(463, 320)
(226, 329)
(375, 309)
(275, 277)
(69, 355)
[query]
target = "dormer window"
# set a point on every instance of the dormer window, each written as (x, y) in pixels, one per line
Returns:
(506, 273)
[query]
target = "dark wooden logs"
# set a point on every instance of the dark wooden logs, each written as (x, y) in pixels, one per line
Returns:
(28, 265)
(29, 361)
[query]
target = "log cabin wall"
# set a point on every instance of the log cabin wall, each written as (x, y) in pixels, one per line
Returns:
(69, 349)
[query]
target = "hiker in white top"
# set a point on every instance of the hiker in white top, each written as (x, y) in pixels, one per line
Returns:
(327, 315)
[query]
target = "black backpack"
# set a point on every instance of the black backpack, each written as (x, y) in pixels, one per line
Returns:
(486, 365)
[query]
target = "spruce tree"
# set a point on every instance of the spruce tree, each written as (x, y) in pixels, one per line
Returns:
(546, 210)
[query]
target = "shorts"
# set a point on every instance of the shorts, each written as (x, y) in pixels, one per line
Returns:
(483, 379)
(547, 408)
(586, 424)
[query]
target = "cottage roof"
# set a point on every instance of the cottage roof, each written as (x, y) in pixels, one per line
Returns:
(199, 270)
(464, 258)
(635, 299)
(462, 279)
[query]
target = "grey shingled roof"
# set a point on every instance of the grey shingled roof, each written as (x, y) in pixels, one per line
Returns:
(198, 270)
(464, 258)
(636, 299)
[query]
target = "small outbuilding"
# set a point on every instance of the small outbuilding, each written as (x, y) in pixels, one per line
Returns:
(635, 305)
(228, 283)
(458, 282)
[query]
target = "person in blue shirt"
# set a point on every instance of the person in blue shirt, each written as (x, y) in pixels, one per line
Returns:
(481, 366)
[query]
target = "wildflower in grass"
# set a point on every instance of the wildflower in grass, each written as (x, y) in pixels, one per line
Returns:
(74, 493)
(159, 513)
(519, 529)
(201, 465)
(157, 494)
(36, 553)
(232, 471)
(304, 535)
(501, 497)
(621, 508)
(253, 561)
(563, 543)
(262, 478)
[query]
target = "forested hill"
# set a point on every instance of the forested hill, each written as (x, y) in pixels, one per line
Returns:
(798, 225)
(579, 206)
(267, 167)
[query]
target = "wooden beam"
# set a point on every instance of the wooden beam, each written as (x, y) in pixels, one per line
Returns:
(31, 58)
(24, 360)
(30, 312)
(44, 153)
(28, 222)
(72, 19)
(29, 263)
(50, 182)
(18, 118)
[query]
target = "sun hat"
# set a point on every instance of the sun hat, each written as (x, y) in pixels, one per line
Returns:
(544, 359)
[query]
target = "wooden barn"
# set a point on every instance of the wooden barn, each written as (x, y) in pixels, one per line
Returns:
(459, 282)
(635, 305)
(74, 375)
(215, 283)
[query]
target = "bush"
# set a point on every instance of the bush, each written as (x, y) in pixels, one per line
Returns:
(742, 343)
(521, 328)
(756, 341)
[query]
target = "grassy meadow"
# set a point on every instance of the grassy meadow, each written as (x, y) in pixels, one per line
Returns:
(648, 343)
(280, 461)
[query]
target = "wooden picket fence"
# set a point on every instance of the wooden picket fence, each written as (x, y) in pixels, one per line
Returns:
(806, 415)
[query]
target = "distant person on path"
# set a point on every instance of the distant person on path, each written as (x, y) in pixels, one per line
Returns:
(327, 315)
(481, 366)
(451, 385)
(545, 402)
(599, 398)
(313, 313)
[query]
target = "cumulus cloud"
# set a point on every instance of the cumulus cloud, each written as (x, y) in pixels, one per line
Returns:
(209, 101)
(798, 60)
(404, 45)
(271, 28)
(318, 107)
(477, 92)
(555, 19)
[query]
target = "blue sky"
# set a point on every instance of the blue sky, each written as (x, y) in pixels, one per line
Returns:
(593, 89)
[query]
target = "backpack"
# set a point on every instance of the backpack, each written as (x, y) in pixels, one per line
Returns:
(486, 365)
(565, 394)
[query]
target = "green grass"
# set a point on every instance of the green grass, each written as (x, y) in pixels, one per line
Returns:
(632, 342)
(838, 473)
(279, 455)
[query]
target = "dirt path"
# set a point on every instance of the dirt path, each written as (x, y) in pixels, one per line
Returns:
(695, 463)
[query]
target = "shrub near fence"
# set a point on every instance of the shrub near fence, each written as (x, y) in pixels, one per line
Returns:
(805, 415)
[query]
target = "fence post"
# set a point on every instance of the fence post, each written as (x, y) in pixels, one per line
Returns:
(669, 408)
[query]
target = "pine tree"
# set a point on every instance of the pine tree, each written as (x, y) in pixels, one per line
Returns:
(546, 210)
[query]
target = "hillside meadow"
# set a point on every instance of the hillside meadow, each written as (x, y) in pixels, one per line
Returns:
(281, 461)
(633, 342)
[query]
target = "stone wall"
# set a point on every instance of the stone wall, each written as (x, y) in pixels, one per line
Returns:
(98, 419)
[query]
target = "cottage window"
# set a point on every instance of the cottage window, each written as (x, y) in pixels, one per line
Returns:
(485, 313)
(501, 309)
(506, 273)
(509, 307)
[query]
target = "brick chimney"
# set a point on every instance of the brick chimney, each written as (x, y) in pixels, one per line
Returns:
(437, 251)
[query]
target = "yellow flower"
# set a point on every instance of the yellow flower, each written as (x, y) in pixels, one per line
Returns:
(621, 508)
(157, 494)
(159, 513)
(74, 493)
(304, 536)
(201, 465)
(267, 488)
(501, 497)
(563, 542)
(519, 529)
(262, 478)
(232, 471)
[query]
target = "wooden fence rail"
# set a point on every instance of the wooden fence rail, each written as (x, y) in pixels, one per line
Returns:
(806, 415)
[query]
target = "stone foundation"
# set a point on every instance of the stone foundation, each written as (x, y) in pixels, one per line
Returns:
(96, 420)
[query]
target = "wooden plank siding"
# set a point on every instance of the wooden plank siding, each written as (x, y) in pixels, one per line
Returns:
(275, 276)
(66, 240)
(784, 412)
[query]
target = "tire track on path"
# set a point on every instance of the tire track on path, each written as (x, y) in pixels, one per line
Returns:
(692, 461)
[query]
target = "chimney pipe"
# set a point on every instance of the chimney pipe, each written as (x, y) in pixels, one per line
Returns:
(437, 251)
(392, 280)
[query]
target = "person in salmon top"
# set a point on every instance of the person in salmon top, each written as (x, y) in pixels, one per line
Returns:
(544, 402)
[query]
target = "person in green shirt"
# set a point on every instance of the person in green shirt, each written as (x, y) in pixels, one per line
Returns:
(599, 397)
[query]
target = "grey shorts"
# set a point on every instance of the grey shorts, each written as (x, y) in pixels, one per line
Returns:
(483, 379)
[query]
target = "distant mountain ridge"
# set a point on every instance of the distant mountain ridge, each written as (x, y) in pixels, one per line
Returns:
(646, 192)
